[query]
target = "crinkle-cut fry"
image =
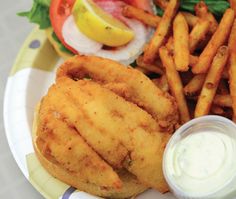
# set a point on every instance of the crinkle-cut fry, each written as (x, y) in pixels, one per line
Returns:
(211, 82)
(195, 85)
(198, 34)
(232, 68)
(141, 15)
(218, 39)
(190, 18)
(161, 3)
(223, 100)
(175, 84)
(152, 50)
(201, 10)
(181, 43)
(150, 67)
(233, 5)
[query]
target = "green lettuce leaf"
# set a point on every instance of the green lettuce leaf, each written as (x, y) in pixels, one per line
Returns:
(61, 46)
(39, 13)
(217, 7)
(44, 2)
(159, 11)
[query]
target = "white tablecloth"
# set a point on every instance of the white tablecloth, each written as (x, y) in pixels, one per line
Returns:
(13, 31)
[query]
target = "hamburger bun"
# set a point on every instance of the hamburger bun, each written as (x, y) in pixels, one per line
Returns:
(131, 186)
(55, 44)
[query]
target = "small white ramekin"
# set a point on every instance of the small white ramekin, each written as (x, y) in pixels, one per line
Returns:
(227, 191)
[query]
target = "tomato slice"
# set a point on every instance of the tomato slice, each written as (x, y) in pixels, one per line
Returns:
(59, 11)
(143, 4)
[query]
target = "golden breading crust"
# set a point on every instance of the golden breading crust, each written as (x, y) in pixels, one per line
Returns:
(130, 185)
(102, 128)
(138, 88)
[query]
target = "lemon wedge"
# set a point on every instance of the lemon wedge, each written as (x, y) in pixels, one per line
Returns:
(99, 25)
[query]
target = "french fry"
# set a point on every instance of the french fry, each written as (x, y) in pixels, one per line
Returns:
(161, 3)
(175, 83)
(152, 50)
(211, 82)
(223, 100)
(225, 74)
(193, 60)
(201, 10)
(233, 5)
(232, 68)
(195, 85)
(186, 77)
(217, 110)
(190, 18)
(143, 70)
(161, 83)
(150, 67)
(218, 39)
(170, 46)
(198, 34)
(141, 15)
(181, 43)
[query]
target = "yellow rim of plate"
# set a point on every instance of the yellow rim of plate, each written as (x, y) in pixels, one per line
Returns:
(33, 52)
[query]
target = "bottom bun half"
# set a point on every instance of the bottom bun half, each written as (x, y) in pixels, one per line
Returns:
(131, 186)
(56, 46)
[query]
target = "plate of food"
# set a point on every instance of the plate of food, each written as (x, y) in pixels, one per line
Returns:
(111, 99)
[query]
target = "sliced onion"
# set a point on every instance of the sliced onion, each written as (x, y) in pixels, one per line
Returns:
(74, 38)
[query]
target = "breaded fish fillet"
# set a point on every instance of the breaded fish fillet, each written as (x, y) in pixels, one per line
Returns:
(62, 144)
(137, 87)
(119, 131)
(67, 156)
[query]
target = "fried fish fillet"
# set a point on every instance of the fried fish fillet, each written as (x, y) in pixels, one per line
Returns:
(137, 88)
(66, 155)
(103, 127)
(122, 133)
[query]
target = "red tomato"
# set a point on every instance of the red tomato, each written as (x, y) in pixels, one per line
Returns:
(59, 11)
(143, 4)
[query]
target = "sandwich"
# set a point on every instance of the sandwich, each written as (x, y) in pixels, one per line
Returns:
(102, 134)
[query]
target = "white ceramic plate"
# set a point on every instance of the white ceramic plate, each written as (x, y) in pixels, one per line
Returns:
(30, 77)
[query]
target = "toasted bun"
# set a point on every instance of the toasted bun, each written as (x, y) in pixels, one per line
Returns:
(131, 186)
(62, 54)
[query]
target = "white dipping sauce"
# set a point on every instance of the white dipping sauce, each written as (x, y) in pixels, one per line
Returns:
(201, 163)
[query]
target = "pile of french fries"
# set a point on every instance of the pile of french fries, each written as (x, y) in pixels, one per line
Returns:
(194, 56)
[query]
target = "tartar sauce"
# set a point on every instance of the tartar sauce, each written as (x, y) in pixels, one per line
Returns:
(201, 163)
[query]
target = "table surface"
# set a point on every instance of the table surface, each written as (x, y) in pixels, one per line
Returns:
(13, 32)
